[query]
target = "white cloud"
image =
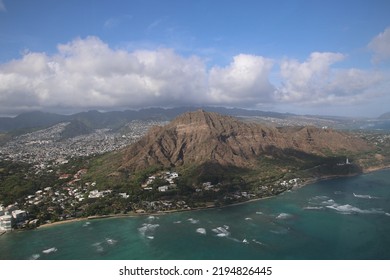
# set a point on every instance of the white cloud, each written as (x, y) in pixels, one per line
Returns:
(353, 82)
(316, 81)
(380, 46)
(305, 80)
(87, 73)
(243, 82)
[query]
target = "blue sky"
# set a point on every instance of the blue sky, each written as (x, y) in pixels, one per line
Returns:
(316, 57)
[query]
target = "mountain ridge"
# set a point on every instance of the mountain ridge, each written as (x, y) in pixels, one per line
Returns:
(94, 119)
(113, 119)
(385, 116)
(200, 137)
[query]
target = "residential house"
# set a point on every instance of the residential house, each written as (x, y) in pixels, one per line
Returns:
(6, 222)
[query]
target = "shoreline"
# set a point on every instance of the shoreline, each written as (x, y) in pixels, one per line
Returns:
(130, 215)
(90, 218)
(133, 214)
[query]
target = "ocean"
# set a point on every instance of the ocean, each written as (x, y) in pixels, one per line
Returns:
(343, 218)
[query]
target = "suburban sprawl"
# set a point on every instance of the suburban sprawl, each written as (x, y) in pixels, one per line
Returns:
(46, 179)
(72, 197)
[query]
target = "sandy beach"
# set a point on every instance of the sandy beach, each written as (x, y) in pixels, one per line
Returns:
(90, 218)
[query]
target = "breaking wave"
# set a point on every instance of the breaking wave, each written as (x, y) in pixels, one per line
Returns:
(329, 202)
(221, 231)
(86, 224)
(147, 230)
(224, 232)
(49, 251)
(98, 246)
(313, 208)
(152, 218)
(365, 196)
(201, 231)
(319, 197)
(35, 256)
(111, 241)
(349, 209)
(257, 242)
(193, 221)
(284, 216)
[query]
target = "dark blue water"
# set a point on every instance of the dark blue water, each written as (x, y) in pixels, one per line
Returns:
(347, 218)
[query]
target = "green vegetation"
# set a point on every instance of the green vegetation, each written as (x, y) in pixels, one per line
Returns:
(197, 185)
(17, 180)
(103, 169)
(210, 172)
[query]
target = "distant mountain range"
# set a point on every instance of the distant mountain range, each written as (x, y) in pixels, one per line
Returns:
(87, 121)
(114, 119)
(385, 116)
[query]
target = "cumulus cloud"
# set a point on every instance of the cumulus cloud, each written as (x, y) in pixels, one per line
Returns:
(87, 73)
(316, 81)
(380, 46)
(306, 80)
(244, 81)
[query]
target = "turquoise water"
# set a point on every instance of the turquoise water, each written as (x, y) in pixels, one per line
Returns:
(346, 218)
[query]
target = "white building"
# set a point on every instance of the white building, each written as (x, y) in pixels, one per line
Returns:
(98, 194)
(95, 194)
(6, 222)
(163, 188)
(11, 208)
(19, 215)
(124, 195)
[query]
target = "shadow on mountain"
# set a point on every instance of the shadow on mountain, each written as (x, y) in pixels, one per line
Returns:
(75, 128)
(310, 163)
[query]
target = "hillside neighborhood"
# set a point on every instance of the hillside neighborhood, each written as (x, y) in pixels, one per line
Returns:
(71, 194)
(45, 147)
(71, 199)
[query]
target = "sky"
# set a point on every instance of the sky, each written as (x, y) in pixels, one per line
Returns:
(303, 57)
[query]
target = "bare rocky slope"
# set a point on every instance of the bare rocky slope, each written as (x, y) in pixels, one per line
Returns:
(200, 137)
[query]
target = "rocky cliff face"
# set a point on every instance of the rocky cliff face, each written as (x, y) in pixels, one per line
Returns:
(199, 137)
